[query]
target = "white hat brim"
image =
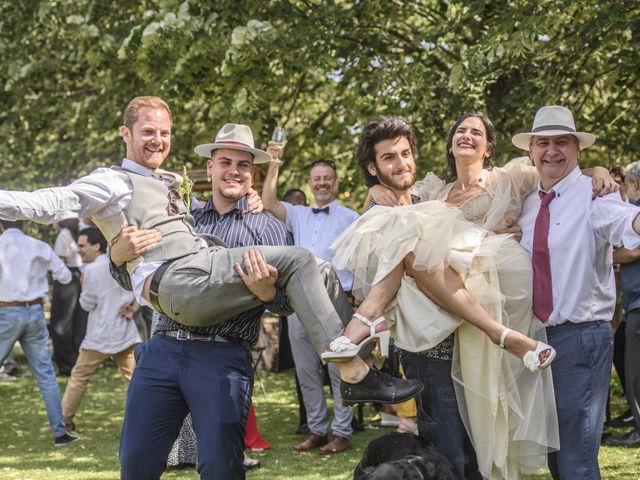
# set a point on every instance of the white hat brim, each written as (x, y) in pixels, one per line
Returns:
(259, 156)
(522, 140)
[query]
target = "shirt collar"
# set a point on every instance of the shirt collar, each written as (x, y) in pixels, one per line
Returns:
(242, 204)
(561, 187)
(334, 202)
(135, 167)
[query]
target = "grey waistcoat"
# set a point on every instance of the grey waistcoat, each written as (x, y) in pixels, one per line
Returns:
(148, 209)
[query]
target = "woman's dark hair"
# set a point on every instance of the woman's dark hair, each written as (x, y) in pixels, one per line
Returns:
(491, 139)
(377, 130)
(72, 224)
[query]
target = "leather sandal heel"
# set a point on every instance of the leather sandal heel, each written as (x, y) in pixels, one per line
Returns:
(342, 349)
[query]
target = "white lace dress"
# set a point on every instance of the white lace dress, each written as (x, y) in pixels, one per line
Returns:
(509, 411)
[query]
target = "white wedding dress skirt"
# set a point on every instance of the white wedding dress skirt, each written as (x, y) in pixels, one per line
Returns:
(509, 411)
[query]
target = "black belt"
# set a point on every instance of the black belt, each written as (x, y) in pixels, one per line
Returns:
(155, 283)
(187, 335)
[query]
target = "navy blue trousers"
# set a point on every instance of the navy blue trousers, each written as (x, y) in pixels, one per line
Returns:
(210, 380)
(581, 375)
(439, 423)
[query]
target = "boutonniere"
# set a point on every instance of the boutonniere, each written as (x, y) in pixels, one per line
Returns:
(186, 188)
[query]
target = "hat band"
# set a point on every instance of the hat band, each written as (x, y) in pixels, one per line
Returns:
(237, 144)
(544, 128)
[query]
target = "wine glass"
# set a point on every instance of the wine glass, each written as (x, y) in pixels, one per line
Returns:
(279, 137)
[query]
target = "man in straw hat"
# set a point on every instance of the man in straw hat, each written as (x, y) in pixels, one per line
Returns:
(570, 240)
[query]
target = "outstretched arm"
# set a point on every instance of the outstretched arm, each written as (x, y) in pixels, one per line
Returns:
(270, 187)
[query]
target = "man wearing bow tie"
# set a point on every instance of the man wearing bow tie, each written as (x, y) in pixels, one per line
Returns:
(315, 228)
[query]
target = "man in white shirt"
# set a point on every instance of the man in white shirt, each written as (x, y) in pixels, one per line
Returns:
(314, 228)
(570, 238)
(111, 333)
(24, 264)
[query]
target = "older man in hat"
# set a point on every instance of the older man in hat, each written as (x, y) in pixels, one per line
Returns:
(570, 240)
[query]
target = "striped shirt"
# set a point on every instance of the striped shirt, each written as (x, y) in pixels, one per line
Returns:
(236, 230)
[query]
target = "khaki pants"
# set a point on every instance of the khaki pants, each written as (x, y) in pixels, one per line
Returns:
(85, 368)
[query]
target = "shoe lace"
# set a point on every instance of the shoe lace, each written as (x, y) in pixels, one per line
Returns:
(384, 377)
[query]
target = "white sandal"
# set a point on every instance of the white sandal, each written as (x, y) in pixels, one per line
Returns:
(341, 349)
(531, 359)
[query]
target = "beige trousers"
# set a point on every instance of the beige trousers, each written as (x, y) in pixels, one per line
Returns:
(85, 368)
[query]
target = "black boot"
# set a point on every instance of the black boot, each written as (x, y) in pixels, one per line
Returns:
(379, 387)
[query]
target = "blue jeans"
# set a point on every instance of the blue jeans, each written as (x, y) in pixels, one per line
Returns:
(581, 375)
(210, 380)
(442, 425)
(27, 325)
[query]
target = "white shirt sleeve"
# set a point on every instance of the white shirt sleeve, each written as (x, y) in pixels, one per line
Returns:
(103, 192)
(613, 220)
(89, 294)
(58, 269)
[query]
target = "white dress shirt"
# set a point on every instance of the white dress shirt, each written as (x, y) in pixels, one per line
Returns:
(102, 193)
(65, 246)
(24, 264)
(108, 332)
(316, 231)
(581, 235)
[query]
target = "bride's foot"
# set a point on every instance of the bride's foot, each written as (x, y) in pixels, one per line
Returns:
(355, 338)
(535, 355)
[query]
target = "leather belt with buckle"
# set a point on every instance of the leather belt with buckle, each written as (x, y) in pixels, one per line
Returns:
(186, 335)
(37, 301)
(155, 283)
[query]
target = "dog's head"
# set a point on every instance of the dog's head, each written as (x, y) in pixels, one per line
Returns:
(403, 457)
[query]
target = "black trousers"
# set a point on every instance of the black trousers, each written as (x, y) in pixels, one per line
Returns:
(632, 364)
(68, 323)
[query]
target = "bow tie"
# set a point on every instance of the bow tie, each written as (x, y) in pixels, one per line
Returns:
(319, 210)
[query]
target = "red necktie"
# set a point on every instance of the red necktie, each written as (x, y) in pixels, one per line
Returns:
(542, 292)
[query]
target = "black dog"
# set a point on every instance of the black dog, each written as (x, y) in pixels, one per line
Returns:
(401, 456)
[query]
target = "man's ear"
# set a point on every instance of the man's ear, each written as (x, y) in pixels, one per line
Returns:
(209, 167)
(125, 133)
(371, 168)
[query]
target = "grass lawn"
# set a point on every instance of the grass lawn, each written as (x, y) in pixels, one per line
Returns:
(28, 454)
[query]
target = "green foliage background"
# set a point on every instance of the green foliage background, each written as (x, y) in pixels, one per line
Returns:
(320, 68)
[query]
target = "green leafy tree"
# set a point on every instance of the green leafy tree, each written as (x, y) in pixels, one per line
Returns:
(319, 68)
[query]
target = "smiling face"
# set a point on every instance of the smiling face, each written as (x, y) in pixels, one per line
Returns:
(469, 142)
(149, 138)
(88, 252)
(394, 166)
(323, 183)
(554, 157)
(231, 173)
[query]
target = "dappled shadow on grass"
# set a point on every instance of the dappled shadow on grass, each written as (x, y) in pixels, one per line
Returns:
(27, 453)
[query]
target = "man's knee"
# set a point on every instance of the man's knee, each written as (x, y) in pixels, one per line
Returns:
(138, 463)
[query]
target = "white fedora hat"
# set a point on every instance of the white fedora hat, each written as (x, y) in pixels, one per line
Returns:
(552, 121)
(235, 137)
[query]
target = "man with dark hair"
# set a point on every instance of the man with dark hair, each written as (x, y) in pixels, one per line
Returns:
(386, 157)
(24, 264)
(376, 131)
(111, 332)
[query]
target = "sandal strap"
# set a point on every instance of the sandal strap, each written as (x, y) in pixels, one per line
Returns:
(369, 323)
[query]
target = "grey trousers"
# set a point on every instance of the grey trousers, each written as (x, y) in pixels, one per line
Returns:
(204, 289)
(632, 363)
(310, 375)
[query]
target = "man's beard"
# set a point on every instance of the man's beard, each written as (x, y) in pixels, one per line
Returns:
(399, 185)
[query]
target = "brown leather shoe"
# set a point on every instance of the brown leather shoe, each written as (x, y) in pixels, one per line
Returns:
(311, 442)
(336, 445)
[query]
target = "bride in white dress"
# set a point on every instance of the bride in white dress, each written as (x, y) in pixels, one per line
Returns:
(507, 405)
